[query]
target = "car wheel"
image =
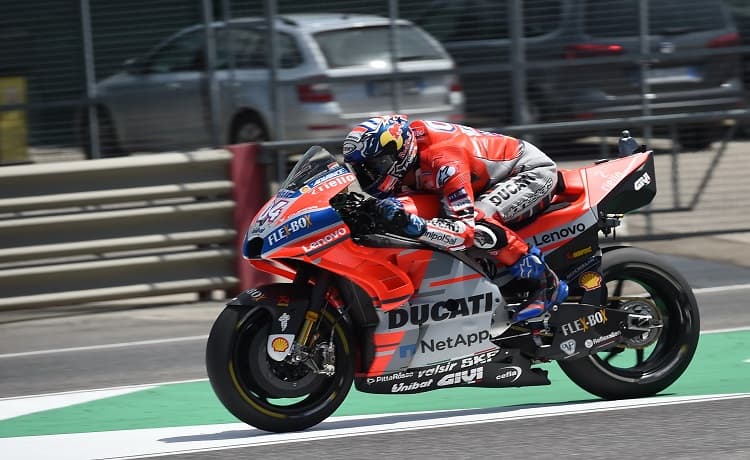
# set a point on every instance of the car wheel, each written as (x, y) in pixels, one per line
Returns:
(248, 128)
(108, 143)
(698, 137)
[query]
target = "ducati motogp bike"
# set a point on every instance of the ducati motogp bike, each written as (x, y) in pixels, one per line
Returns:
(391, 315)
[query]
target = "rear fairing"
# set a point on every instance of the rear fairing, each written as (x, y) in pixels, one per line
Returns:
(568, 233)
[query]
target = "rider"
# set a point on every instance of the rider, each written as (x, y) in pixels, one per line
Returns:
(510, 178)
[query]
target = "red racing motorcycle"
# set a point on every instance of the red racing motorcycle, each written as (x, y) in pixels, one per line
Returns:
(392, 315)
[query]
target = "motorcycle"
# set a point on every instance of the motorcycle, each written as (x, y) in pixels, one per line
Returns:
(391, 315)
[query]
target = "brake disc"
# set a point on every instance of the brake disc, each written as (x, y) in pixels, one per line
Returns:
(643, 306)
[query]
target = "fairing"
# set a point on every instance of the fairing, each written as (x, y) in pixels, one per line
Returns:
(432, 306)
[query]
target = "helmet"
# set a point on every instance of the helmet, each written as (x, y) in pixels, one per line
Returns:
(380, 151)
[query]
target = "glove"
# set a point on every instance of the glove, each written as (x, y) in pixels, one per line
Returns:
(392, 211)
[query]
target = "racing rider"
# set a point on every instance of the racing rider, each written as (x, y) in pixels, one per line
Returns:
(486, 181)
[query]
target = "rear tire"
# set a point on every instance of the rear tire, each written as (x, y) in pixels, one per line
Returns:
(699, 137)
(607, 374)
(248, 127)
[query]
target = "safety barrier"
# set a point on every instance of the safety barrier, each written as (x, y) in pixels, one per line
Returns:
(126, 227)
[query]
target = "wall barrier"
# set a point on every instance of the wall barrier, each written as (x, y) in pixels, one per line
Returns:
(135, 226)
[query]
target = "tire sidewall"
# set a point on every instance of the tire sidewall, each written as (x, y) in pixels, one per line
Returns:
(222, 375)
(589, 376)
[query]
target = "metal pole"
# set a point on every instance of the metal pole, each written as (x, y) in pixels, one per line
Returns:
(273, 83)
(226, 16)
(645, 52)
(645, 89)
(88, 63)
(393, 45)
(674, 155)
(214, 104)
(518, 63)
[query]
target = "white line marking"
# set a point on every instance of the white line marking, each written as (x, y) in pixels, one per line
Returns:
(15, 407)
(121, 387)
(729, 287)
(746, 361)
(189, 439)
(729, 329)
(106, 346)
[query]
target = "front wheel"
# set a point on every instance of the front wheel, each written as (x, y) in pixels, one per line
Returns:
(640, 282)
(268, 394)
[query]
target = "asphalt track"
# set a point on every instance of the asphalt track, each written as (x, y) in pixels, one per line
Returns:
(73, 350)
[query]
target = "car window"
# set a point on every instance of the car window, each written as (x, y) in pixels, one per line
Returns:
(619, 18)
(450, 20)
(183, 53)
(248, 48)
(372, 46)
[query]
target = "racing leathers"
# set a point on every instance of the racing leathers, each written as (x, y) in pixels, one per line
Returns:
(486, 180)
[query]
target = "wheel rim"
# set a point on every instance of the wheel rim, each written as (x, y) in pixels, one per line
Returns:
(295, 390)
(646, 358)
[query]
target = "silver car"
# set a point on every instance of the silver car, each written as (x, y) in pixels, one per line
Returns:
(334, 71)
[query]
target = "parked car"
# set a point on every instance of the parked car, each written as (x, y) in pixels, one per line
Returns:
(740, 10)
(334, 71)
(583, 59)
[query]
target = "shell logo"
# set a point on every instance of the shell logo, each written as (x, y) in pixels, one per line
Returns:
(590, 281)
(280, 344)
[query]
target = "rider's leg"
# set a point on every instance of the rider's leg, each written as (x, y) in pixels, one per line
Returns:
(519, 196)
(524, 262)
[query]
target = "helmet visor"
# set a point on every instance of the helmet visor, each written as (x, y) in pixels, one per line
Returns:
(372, 170)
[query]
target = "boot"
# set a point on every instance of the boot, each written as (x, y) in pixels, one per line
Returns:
(551, 291)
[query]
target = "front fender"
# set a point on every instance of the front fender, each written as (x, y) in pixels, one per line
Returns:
(286, 316)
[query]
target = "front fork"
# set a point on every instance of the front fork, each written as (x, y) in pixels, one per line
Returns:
(319, 358)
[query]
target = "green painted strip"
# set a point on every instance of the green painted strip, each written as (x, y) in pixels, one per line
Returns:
(718, 367)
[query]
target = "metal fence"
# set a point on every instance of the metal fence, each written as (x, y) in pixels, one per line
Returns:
(82, 76)
(553, 64)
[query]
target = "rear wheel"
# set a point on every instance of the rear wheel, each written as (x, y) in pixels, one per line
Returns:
(268, 394)
(640, 282)
(699, 137)
(247, 127)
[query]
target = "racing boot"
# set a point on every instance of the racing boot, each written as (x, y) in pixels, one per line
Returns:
(550, 291)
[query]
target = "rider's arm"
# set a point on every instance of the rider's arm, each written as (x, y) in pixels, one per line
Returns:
(455, 231)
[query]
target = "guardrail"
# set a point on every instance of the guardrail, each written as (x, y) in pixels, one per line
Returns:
(138, 226)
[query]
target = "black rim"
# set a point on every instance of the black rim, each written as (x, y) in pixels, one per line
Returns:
(644, 364)
(251, 369)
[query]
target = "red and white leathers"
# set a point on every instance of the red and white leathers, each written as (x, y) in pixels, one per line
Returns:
(486, 180)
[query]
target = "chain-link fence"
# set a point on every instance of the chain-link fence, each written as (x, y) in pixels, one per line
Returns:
(108, 78)
(175, 74)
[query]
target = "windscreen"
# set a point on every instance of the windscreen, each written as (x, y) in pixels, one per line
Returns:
(317, 162)
(619, 18)
(369, 46)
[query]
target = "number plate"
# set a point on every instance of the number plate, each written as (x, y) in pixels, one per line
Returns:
(382, 88)
(664, 75)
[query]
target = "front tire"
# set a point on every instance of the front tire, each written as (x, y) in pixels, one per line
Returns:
(638, 369)
(270, 395)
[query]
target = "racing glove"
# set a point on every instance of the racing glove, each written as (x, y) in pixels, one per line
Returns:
(392, 211)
